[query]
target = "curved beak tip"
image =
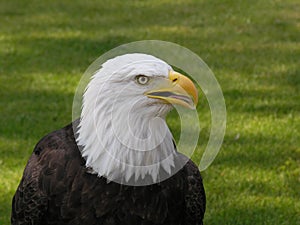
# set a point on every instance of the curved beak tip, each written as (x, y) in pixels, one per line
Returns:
(186, 84)
(180, 91)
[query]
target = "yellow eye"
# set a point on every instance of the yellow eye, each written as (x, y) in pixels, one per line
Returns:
(142, 79)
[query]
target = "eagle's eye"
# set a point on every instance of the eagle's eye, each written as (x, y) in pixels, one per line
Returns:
(142, 79)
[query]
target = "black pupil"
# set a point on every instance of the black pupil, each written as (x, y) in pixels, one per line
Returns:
(143, 79)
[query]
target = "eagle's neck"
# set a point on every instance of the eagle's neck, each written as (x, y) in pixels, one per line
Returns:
(124, 144)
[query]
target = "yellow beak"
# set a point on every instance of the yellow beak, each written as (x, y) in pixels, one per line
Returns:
(179, 90)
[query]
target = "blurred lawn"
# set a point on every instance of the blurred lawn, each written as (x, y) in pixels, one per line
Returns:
(252, 46)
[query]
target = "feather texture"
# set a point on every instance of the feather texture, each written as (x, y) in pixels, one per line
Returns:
(123, 133)
(57, 188)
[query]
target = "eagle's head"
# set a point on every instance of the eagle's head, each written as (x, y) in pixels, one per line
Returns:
(122, 130)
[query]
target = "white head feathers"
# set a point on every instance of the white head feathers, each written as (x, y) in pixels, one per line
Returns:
(123, 133)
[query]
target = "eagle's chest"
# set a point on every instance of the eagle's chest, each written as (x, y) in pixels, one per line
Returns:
(127, 204)
(91, 200)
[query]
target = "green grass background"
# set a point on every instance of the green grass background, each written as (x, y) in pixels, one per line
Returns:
(252, 47)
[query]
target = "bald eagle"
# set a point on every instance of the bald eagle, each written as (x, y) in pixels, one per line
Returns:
(117, 163)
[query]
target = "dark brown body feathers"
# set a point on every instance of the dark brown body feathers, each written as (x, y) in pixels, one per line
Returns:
(56, 188)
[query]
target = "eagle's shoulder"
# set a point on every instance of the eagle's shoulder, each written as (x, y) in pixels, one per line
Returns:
(62, 139)
(195, 195)
(54, 162)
